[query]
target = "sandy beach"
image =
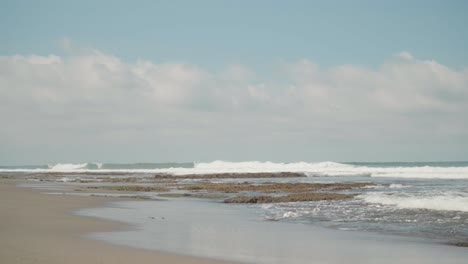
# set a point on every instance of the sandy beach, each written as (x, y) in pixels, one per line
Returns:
(40, 228)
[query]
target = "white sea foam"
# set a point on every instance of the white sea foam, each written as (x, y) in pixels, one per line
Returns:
(291, 214)
(397, 186)
(67, 166)
(448, 202)
(318, 168)
(65, 179)
(330, 169)
(311, 169)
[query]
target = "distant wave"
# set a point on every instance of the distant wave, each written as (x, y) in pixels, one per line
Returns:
(318, 169)
(107, 167)
(328, 168)
(68, 167)
(447, 202)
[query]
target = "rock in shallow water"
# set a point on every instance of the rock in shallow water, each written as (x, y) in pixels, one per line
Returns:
(298, 197)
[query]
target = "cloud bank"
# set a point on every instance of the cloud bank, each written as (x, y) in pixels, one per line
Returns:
(91, 104)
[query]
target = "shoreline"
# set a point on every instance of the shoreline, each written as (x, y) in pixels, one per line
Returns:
(44, 228)
(41, 228)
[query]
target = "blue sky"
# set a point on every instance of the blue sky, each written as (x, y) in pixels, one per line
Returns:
(256, 33)
(146, 81)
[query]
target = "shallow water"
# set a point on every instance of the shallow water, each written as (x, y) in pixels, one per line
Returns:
(429, 208)
(238, 233)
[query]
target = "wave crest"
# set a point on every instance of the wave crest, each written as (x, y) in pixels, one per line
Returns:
(448, 202)
(312, 169)
(67, 166)
(267, 166)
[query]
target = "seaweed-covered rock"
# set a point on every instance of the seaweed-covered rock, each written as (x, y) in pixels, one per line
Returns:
(271, 187)
(233, 175)
(297, 197)
(460, 244)
(132, 188)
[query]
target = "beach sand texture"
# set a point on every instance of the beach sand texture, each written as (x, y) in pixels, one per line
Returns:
(39, 228)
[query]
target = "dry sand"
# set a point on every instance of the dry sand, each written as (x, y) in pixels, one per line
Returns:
(40, 228)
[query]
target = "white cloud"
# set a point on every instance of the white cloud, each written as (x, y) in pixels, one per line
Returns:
(396, 87)
(52, 97)
(405, 55)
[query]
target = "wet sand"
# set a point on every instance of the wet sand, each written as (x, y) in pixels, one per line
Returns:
(40, 228)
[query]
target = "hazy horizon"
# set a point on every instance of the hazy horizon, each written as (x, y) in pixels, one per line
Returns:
(178, 163)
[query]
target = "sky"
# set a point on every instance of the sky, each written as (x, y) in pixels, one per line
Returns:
(157, 81)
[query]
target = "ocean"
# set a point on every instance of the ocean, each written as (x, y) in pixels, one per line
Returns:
(423, 200)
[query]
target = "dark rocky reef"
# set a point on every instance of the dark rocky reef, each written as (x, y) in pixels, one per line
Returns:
(193, 195)
(271, 187)
(459, 244)
(132, 188)
(233, 175)
(138, 197)
(297, 197)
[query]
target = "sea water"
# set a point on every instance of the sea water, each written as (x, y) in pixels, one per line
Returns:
(234, 232)
(428, 201)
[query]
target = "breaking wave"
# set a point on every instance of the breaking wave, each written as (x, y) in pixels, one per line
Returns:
(447, 202)
(96, 167)
(398, 170)
(68, 167)
(313, 169)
